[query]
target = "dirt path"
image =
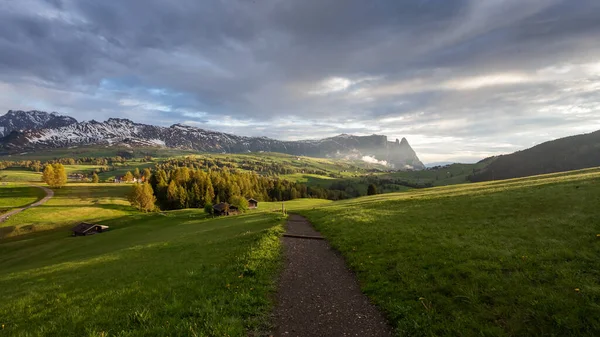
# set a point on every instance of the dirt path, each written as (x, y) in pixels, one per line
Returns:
(49, 194)
(318, 295)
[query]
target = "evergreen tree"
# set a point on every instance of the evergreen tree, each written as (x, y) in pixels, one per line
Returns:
(208, 208)
(183, 197)
(172, 194)
(371, 189)
(136, 173)
(95, 178)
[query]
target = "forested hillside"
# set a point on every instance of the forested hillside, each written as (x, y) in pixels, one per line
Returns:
(565, 154)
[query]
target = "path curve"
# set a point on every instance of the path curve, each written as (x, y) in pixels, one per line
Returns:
(318, 295)
(49, 195)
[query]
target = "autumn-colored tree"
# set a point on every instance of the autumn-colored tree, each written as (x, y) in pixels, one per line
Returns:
(136, 173)
(95, 178)
(147, 174)
(55, 175)
(60, 175)
(48, 175)
(240, 202)
(142, 197)
(128, 177)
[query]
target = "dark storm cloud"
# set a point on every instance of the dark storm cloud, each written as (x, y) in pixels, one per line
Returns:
(444, 72)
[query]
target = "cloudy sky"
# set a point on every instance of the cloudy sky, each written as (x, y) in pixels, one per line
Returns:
(460, 79)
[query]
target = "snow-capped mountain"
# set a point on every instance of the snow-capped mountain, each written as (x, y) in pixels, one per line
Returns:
(17, 120)
(117, 131)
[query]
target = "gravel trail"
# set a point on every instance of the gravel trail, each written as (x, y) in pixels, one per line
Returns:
(318, 295)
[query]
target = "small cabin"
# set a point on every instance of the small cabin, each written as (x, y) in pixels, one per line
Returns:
(224, 208)
(85, 228)
(252, 203)
(221, 209)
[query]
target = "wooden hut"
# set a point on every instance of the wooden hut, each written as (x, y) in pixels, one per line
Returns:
(221, 209)
(85, 228)
(252, 203)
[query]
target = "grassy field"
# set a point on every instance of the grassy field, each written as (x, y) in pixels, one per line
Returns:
(504, 258)
(173, 274)
(14, 195)
(97, 151)
(19, 174)
(72, 204)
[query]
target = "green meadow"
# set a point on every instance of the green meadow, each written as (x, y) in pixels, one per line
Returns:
(169, 274)
(70, 205)
(15, 195)
(505, 258)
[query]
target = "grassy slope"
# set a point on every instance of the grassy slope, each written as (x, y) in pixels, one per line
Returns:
(71, 204)
(177, 275)
(13, 196)
(517, 257)
(95, 151)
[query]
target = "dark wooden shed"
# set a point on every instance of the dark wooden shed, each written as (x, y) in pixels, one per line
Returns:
(252, 203)
(224, 208)
(221, 209)
(85, 228)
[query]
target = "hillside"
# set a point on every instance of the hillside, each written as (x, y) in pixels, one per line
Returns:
(564, 154)
(124, 132)
(507, 258)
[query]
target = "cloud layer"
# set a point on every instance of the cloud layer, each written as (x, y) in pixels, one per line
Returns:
(461, 79)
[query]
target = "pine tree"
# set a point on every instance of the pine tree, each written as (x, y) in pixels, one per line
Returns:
(371, 189)
(95, 178)
(172, 194)
(136, 173)
(183, 197)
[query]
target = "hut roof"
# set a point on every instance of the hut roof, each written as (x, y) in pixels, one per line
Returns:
(253, 200)
(84, 227)
(221, 206)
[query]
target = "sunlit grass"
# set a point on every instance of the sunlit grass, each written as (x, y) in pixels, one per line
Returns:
(150, 275)
(515, 257)
(17, 195)
(72, 204)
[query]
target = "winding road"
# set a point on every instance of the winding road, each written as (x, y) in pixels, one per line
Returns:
(49, 195)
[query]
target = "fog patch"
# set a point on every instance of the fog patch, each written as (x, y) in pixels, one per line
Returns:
(373, 160)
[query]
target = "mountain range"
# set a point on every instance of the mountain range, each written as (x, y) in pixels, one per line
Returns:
(37, 130)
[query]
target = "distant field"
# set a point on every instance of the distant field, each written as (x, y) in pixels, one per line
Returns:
(97, 151)
(72, 204)
(18, 174)
(516, 257)
(291, 205)
(13, 196)
(150, 275)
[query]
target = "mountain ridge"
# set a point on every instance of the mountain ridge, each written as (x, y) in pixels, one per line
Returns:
(559, 155)
(56, 131)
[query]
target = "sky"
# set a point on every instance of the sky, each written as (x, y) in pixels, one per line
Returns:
(460, 79)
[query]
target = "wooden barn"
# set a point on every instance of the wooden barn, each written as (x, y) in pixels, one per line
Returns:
(252, 203)
(85, 228)
(224, 208)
